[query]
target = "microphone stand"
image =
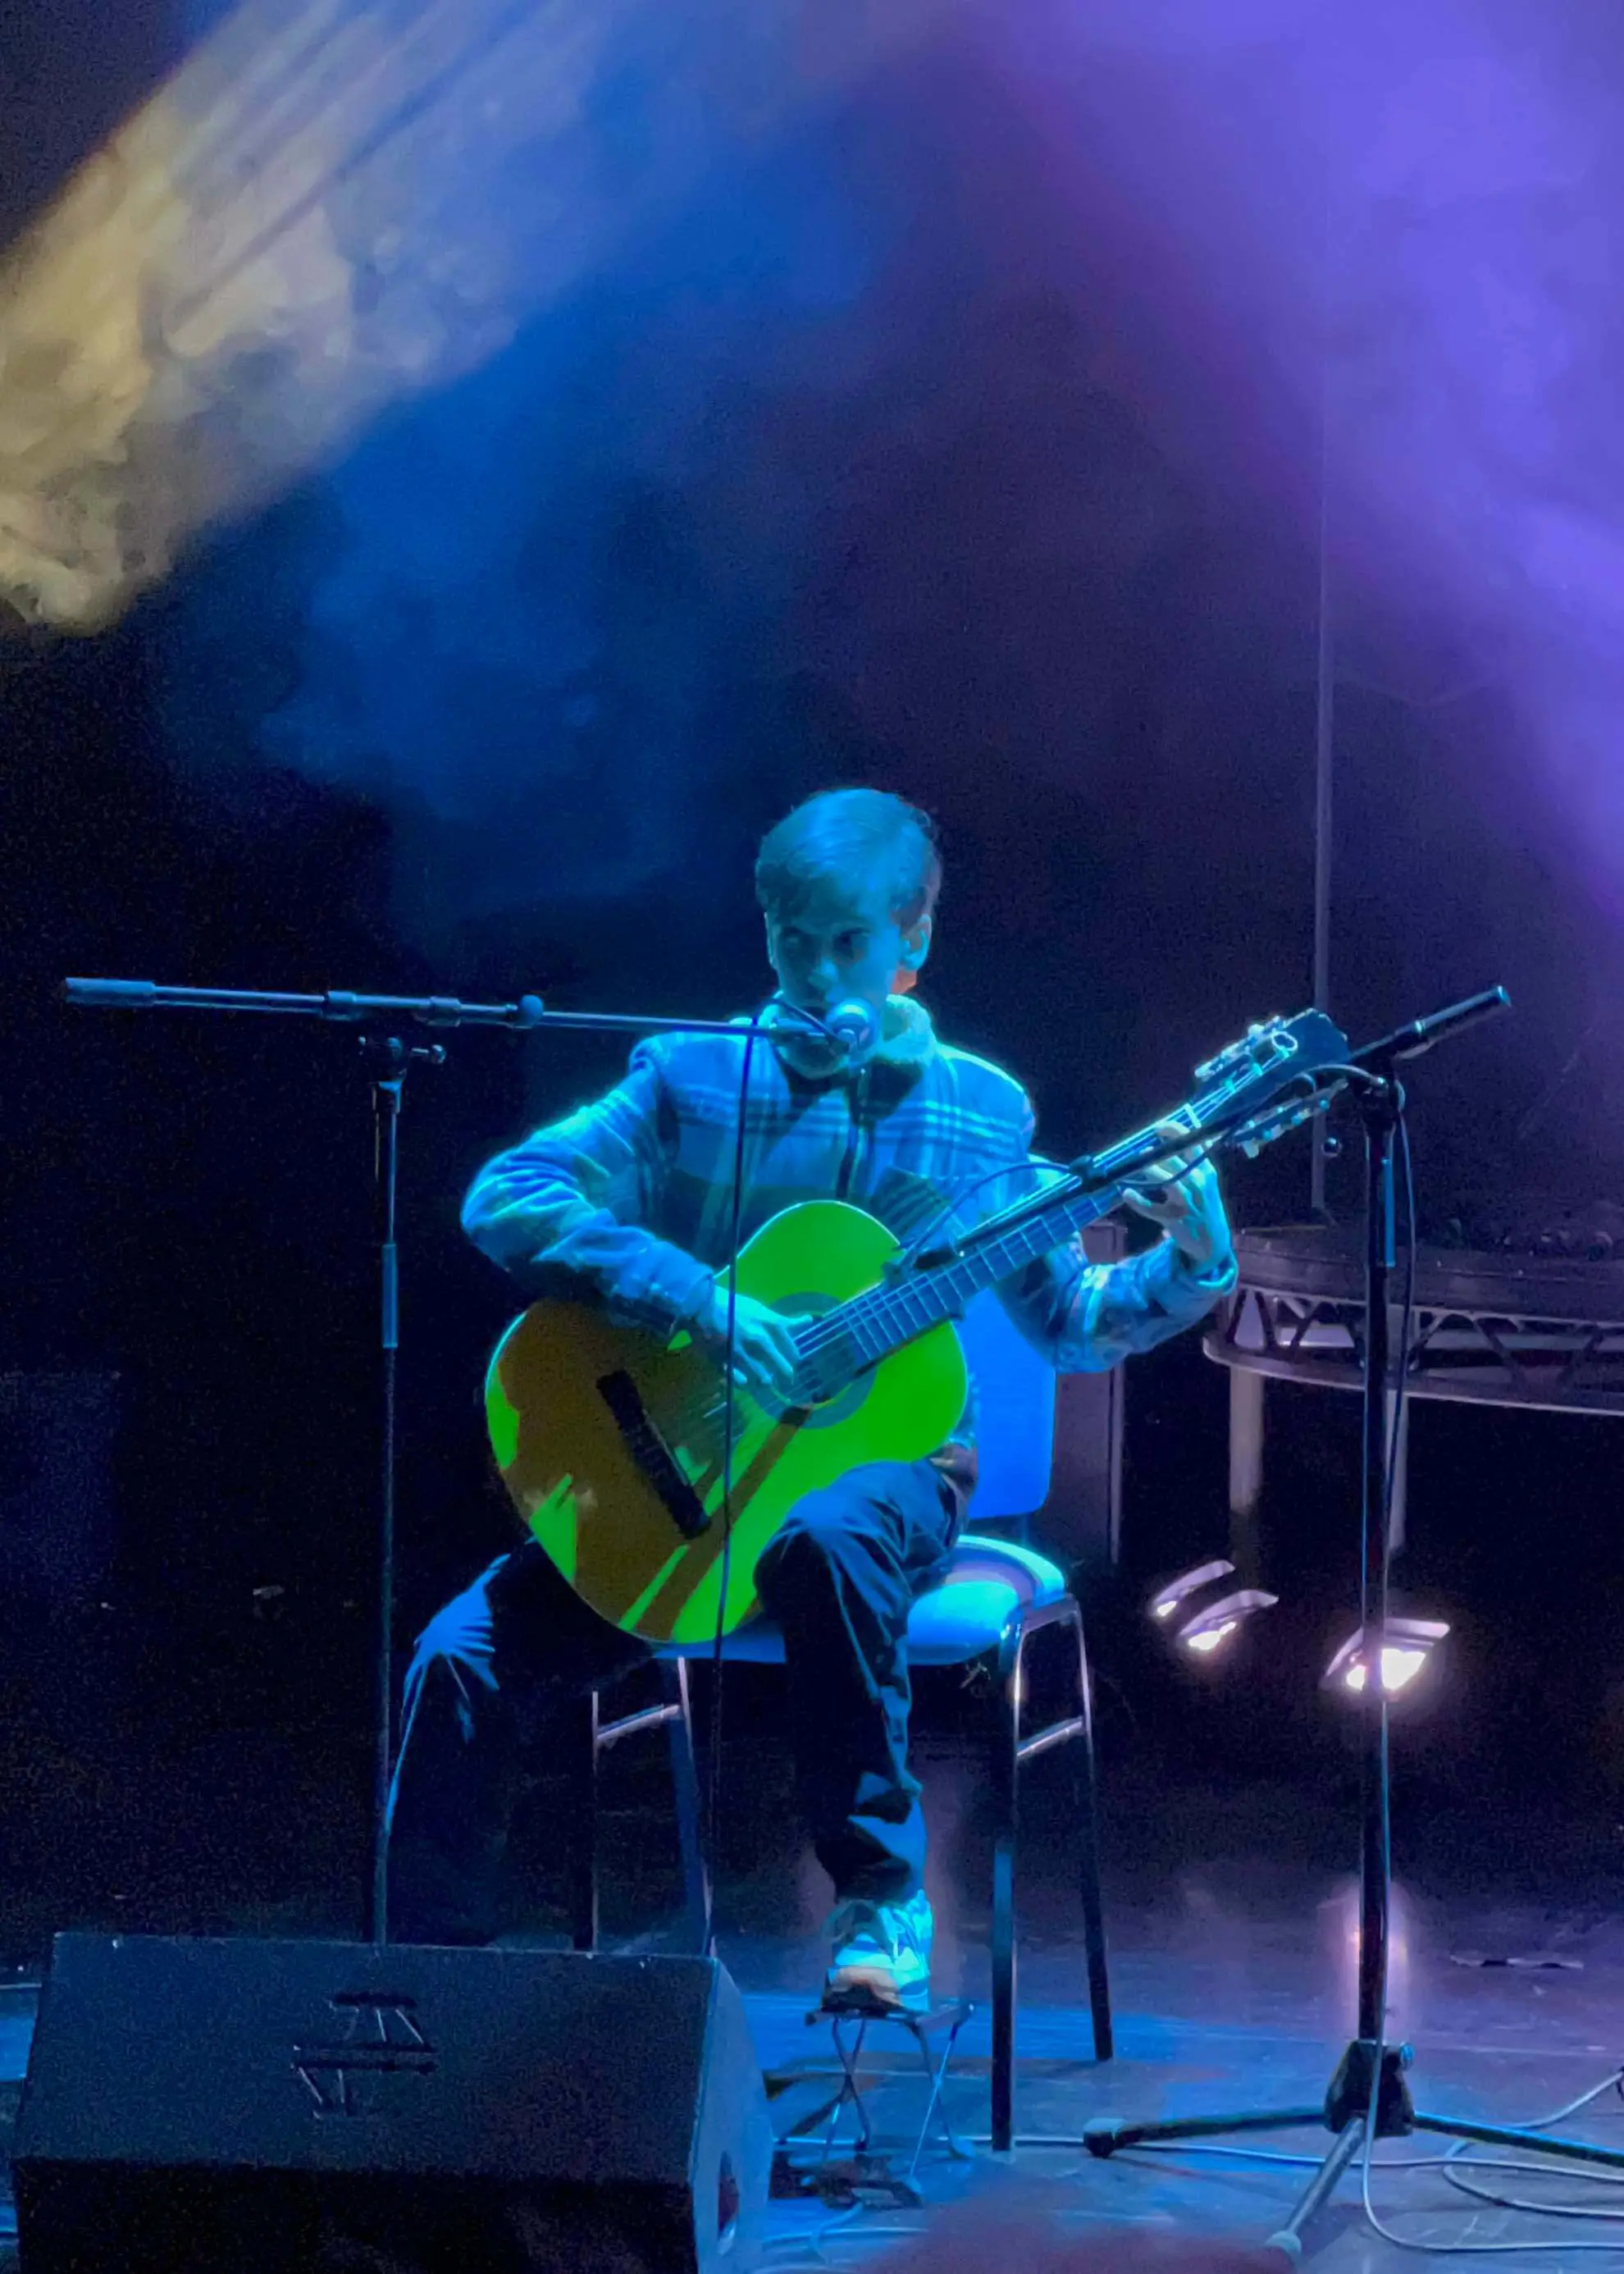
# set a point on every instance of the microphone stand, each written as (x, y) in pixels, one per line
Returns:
(382, 1020)
(1368, 2098)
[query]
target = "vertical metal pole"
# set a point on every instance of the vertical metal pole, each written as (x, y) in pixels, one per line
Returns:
(387, 1124)
(1246, 1437)
(1379, 1110)
(1325, 755)
(1398, 1455)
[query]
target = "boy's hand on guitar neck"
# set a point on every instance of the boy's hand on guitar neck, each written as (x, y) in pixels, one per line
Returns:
(1183, 1197)
(764, 1353)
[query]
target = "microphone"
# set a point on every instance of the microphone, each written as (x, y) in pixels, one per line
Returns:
(854, 1025)
(1423, 1034)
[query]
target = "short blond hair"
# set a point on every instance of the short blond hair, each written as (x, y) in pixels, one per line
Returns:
(840, 831)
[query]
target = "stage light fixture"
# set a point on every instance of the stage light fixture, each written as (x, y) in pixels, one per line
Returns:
(1208, 1639)
(1407, 1644)
(1163, 1605)
(1201, 1617)
(1211, 1628)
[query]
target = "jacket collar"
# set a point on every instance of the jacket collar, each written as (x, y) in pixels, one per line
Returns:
(908, 1036)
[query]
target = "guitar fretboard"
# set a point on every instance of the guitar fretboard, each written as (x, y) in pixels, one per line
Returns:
(870, 1327)
(867, 1327)
(880, 1321)
(874, 1324)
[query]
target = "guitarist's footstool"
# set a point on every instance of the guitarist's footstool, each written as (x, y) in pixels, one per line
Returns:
(861, 2173)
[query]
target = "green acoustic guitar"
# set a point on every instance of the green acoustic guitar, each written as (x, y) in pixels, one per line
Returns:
(611, 1443)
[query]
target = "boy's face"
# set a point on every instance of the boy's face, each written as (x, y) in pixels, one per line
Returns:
(843, 941)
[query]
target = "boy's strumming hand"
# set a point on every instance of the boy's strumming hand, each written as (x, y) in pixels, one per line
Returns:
(1183, 1198)
(764, 1356)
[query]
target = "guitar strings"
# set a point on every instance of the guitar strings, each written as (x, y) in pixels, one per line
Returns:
(879, 1301)
(703, 1423)
(700, 1417)
(877, 1304)
(696, 1416)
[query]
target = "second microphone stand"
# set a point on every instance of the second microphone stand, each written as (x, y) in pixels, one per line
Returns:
(1368, 2098)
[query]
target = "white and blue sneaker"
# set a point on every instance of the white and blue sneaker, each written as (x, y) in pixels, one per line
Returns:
(882, 1955)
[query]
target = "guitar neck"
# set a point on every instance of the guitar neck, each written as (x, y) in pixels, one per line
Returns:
(898, 1310)
(1280, 1067)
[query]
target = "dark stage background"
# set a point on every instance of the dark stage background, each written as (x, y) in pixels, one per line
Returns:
(939, 438)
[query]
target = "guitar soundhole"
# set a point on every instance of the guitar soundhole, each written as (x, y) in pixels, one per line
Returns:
(652, 1455)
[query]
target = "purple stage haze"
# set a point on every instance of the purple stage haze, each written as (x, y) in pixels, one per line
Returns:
(1413, 213)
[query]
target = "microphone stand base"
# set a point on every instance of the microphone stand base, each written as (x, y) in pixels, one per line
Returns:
(1346, 2111)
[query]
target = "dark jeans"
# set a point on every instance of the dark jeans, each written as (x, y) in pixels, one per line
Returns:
(839, 1580)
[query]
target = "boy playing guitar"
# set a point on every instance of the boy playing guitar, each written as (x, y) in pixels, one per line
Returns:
(627, 1203)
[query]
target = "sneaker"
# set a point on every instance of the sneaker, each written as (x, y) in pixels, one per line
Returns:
(882, 1955)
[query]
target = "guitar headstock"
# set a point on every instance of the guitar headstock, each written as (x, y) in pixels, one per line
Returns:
(1306, 1041)
(1280, 1073)
(1288, 1065)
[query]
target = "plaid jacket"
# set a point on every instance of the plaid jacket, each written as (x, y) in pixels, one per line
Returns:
(631, 1197)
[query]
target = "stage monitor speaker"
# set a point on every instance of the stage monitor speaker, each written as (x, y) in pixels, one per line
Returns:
(264, 2106)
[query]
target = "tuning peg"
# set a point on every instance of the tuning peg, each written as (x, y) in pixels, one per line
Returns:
(1213, 1067)
(1254, 1135)
(1261, 1032)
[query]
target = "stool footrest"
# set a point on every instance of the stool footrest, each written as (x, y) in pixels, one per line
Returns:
(652, 1717)
(1057, 1734)
(919, 2021)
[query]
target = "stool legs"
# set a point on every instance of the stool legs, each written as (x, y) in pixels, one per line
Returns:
(1010, 1747)
(685, 1782)
(1088, 1847)
(1005, 1794)
(589, 1737)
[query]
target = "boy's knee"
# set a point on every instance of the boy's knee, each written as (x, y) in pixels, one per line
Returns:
(826, 1532)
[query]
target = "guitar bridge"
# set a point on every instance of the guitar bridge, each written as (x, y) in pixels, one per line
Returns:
(654, 1459)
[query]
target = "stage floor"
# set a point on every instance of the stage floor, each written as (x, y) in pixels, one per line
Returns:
(1232, 1954)
(1233, 2012)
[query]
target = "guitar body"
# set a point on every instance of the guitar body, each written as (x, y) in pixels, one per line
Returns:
(610, 1444)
